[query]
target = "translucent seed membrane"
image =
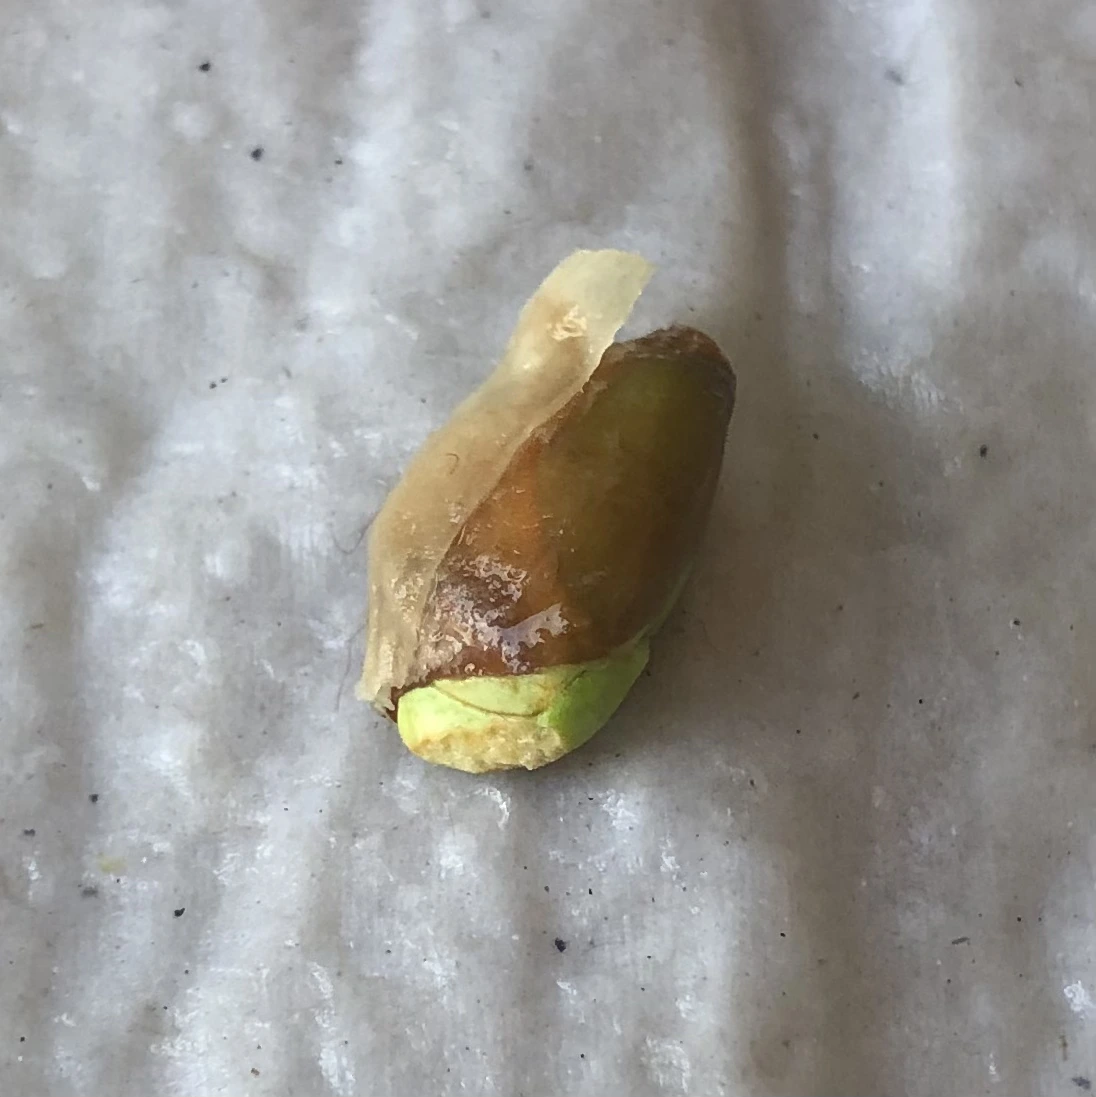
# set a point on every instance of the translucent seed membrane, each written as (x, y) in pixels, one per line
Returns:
(560, 337)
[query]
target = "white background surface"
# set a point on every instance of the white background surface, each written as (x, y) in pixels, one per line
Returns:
(840, 841)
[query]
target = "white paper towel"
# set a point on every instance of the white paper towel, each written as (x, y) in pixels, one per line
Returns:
(839, 841)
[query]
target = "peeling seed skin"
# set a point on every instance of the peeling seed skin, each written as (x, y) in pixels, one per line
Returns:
(540, 609)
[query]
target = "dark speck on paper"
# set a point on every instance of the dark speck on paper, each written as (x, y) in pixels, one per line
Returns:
(1081, 1082)
(561, 945)
(960, 940)
(179, 912)
(257, 153)
(205, 66)
(94, 797)
(895, 76)
(89, 891)
(983, 450)
(29, 832)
